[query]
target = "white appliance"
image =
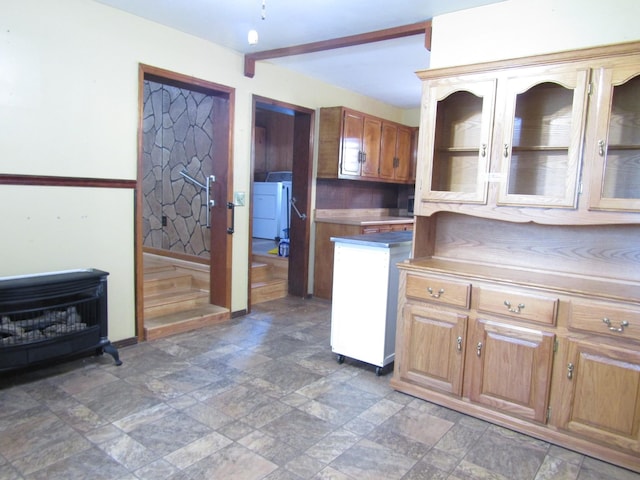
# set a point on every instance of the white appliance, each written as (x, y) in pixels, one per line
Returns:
(271, 209)
(365, 296)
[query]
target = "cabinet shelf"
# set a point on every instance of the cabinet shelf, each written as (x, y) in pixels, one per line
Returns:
(474, 150)
(540, 148)
(624, 147)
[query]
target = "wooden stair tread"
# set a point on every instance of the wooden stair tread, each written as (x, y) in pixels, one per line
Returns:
(163, 281)
(184, 321)
(269, 289)
(269, 281)
(163, 274)
(157, 267)
(174, 294)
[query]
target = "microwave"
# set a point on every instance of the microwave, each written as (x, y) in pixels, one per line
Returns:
(410, 201)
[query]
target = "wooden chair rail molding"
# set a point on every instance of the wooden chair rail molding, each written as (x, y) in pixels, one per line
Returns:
(48, 180)
(349, 41)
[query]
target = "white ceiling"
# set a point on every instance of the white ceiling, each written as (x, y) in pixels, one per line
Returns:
(381, 70)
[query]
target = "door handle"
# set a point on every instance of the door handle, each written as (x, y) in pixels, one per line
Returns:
(293, 201)
(210, 202)
(232, 207)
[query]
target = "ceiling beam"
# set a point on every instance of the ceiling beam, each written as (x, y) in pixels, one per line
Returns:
(350, 41)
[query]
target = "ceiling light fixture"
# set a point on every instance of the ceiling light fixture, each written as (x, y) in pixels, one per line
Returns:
(252, 36)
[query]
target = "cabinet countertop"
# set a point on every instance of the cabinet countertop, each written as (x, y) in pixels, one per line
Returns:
(379, 240)
(368, 220)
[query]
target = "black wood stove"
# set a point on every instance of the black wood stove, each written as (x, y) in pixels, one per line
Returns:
(53, 315)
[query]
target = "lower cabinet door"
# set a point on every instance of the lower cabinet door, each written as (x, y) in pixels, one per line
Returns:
(601, 394)
(433, 348)
(510, 368)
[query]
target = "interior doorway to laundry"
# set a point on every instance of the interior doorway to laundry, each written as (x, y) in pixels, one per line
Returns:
(283, 151)
(183, 208)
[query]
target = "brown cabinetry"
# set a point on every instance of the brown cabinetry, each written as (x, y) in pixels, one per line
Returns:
(510, 368)
(560, 136)
(568, 371)
(433, 354)
(443, 337)
(613, 146)
(324, 247)
(357, 146)
(520, 302)
(395, 153)
(520, 131)
(600, 391)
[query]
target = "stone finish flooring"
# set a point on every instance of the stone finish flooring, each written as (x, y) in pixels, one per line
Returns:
(257, 397)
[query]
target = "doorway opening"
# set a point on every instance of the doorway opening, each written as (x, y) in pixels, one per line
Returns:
(282, 166)
(183, 236)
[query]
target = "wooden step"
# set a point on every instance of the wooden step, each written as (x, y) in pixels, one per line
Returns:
(260, 272)
(184, 321)
(171, 301)
(157, 281)
(268, 290)
(279, 265)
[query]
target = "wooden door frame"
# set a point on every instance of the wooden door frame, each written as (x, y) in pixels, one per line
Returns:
(220, 264)
(302, 171)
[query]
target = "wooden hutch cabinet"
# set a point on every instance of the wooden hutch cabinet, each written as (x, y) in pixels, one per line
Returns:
(521, 302)
(357, 146)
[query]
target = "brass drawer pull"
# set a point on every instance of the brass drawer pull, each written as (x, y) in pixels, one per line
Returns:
(459, 344)
(479, 348)
(619, 329)
(570, 371)
(520, 306)
(435, 295)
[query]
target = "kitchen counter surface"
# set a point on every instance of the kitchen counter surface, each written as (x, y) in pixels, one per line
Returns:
(362, 217)
(379, 240)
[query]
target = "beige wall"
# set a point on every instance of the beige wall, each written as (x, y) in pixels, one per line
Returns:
(69, 107)
(517, 28)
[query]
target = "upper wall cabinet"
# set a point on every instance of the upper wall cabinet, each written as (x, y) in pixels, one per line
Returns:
(395, 153)
(613, 150)
(522, 133)
(357, 146)
(552, 139)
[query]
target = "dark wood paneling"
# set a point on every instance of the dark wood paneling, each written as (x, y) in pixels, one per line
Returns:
(338, 194)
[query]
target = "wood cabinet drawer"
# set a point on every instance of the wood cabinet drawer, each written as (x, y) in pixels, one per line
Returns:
(519, 305)
(438, 290)
(606, 318)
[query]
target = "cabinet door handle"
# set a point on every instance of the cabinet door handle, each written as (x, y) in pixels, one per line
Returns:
(507, 304)
(619, 329)
(459, 344)
(364, 157)
(483, 150)
(506, 150)
(601, 148)
(570, 371)
(479, 348)
(435, 295)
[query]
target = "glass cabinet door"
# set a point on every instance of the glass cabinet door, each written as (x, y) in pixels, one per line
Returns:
(541, 139)
(615, 149)
(457, 150)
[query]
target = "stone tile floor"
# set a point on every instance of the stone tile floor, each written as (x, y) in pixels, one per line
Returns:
(258, 397)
